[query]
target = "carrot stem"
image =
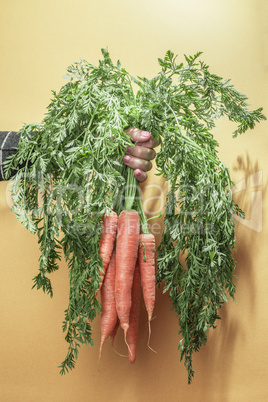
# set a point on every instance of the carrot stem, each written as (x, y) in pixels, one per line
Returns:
(143, 219)
(131, 189)
(133, 195)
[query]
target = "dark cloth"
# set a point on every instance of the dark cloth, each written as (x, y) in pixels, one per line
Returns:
(8, 145)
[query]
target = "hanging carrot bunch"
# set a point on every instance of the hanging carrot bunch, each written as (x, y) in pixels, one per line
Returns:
(73, 160)
(131, 270)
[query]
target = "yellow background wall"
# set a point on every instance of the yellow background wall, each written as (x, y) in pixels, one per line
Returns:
(38, 40)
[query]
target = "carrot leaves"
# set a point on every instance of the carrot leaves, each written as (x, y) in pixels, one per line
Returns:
(73, 173)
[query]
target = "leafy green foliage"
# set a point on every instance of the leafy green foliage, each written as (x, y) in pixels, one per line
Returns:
(73, 174)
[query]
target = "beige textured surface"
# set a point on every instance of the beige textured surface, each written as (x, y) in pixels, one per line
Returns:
(38, 40)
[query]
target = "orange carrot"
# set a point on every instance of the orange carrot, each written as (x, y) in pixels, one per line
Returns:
(147, 268)
(132, 333)
(108, 234)
(126, 256)
(109, 314)
(114, 331)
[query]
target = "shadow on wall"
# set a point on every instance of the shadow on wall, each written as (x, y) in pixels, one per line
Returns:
(213, 365)
(219, 353)
(249, 194)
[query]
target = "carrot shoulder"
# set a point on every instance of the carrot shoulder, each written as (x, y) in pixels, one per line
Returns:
(126, 256)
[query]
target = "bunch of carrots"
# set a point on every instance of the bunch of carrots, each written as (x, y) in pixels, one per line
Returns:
(128, 269)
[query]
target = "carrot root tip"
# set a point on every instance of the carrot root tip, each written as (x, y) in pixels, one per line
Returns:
(119, 354)
(149, 336)
(126, 342)
(99, 361)
(132, 359)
